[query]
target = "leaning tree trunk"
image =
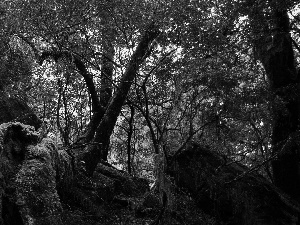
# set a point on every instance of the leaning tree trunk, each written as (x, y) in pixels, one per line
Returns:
(97, 149)
(107, 69)
(35, 177)
(106, 76)
(274, 49)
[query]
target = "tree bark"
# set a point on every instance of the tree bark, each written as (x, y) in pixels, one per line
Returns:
(107, 69)
(97, 150)
(129, 138)
(274, 49)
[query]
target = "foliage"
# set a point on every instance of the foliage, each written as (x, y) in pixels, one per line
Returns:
(202, 80)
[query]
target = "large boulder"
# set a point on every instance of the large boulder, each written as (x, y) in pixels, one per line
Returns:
(229, 191)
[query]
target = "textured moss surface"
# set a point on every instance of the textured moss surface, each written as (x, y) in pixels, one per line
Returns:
(29, 174)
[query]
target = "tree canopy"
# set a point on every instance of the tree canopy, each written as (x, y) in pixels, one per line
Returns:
(126, 81)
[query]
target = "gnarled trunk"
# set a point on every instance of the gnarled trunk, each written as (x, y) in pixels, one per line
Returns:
(274, 49)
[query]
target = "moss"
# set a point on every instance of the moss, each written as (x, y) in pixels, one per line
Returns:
(36, 188)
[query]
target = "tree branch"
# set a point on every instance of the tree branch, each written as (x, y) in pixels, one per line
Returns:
(82, 70)
(106, 126)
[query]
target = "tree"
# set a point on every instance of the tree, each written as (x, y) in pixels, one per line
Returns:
(166, 73)
(109, 119)
(274, 48)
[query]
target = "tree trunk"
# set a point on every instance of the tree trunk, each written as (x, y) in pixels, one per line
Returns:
(275, 51)
(97, 149)
(107, 69)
